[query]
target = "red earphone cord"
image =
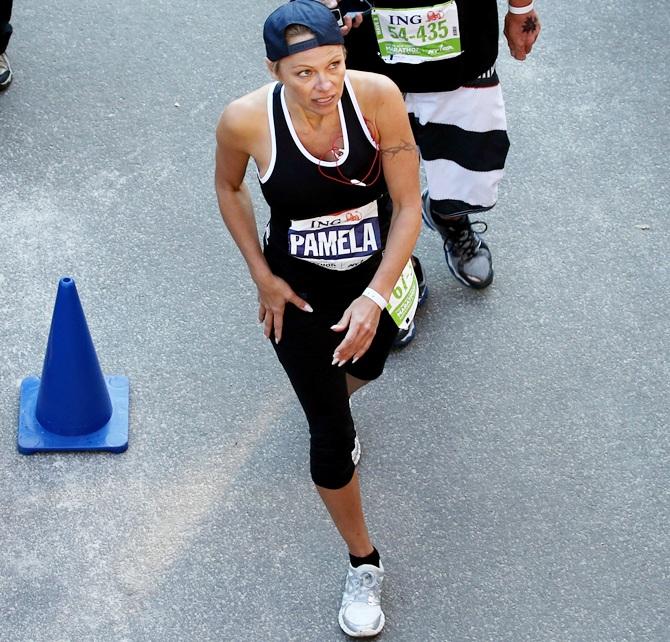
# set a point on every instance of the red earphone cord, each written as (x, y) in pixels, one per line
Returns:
(341, 178)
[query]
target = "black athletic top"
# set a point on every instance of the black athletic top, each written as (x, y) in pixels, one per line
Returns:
(326, 232)
(478, 22)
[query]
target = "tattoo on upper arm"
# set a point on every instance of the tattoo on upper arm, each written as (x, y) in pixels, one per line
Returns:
(530, 25)
(405, 146)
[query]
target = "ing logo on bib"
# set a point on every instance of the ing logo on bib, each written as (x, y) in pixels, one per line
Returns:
(337, 241)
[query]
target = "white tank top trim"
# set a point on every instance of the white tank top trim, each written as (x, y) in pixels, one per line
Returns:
(359, 113)
(302, 148)
(273, 139)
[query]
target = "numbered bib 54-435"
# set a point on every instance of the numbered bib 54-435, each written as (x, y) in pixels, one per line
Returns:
(418, 35)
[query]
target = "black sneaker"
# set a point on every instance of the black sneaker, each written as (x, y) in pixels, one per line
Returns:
(5, 72)
(468, 256)
(404, 337)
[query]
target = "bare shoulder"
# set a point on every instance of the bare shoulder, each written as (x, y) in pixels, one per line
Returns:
(373, 89)
(244, 120)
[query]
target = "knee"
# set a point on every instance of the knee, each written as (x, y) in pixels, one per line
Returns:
(331, 451)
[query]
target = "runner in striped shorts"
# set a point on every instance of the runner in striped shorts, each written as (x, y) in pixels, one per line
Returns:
(462, 135)
(442, 56)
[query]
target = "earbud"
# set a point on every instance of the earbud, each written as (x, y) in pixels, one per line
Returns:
(354, 181)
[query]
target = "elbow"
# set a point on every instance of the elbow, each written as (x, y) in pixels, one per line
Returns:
(225, 188)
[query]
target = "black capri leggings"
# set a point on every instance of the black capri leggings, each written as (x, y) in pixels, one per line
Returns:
(306, 353)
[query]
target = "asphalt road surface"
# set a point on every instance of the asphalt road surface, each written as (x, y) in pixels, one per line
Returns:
(516, 462)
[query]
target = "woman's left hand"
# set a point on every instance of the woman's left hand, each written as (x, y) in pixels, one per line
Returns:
(362, 319)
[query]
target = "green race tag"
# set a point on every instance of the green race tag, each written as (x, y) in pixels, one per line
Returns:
(404, 298)
(418, 35)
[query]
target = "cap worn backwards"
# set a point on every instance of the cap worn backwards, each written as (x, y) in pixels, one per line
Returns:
(309, 13)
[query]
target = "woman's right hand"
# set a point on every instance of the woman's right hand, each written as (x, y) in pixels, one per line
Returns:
(273, 295)
(350, 20)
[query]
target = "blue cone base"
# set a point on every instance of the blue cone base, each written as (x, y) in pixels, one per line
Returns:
(112, 437)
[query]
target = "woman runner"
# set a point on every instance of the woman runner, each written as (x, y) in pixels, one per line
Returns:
(330, 147)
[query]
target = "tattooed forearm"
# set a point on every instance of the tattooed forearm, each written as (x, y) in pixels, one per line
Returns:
(404, 146)
(530, 25)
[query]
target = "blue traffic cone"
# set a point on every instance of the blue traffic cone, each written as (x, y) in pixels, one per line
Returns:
(73, 406)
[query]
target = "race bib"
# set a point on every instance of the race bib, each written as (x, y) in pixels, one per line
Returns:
(418, 35)
(404, 298)
(337, 241)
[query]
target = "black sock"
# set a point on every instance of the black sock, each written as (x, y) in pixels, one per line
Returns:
(373, 559)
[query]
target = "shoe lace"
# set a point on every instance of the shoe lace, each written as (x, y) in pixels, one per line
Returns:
(363, 587)
(465, 239)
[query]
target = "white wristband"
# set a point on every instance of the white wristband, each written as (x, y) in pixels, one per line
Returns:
(518, 11)
(373, 295)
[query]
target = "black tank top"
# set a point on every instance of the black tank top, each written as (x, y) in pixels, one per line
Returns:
(328, 219)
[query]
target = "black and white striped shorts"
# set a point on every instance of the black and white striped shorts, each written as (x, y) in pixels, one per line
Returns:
(462, 136)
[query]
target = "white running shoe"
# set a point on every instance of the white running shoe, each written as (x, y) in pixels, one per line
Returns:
(361, 613)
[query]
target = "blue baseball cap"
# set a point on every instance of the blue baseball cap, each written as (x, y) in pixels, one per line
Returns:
(309, 13)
